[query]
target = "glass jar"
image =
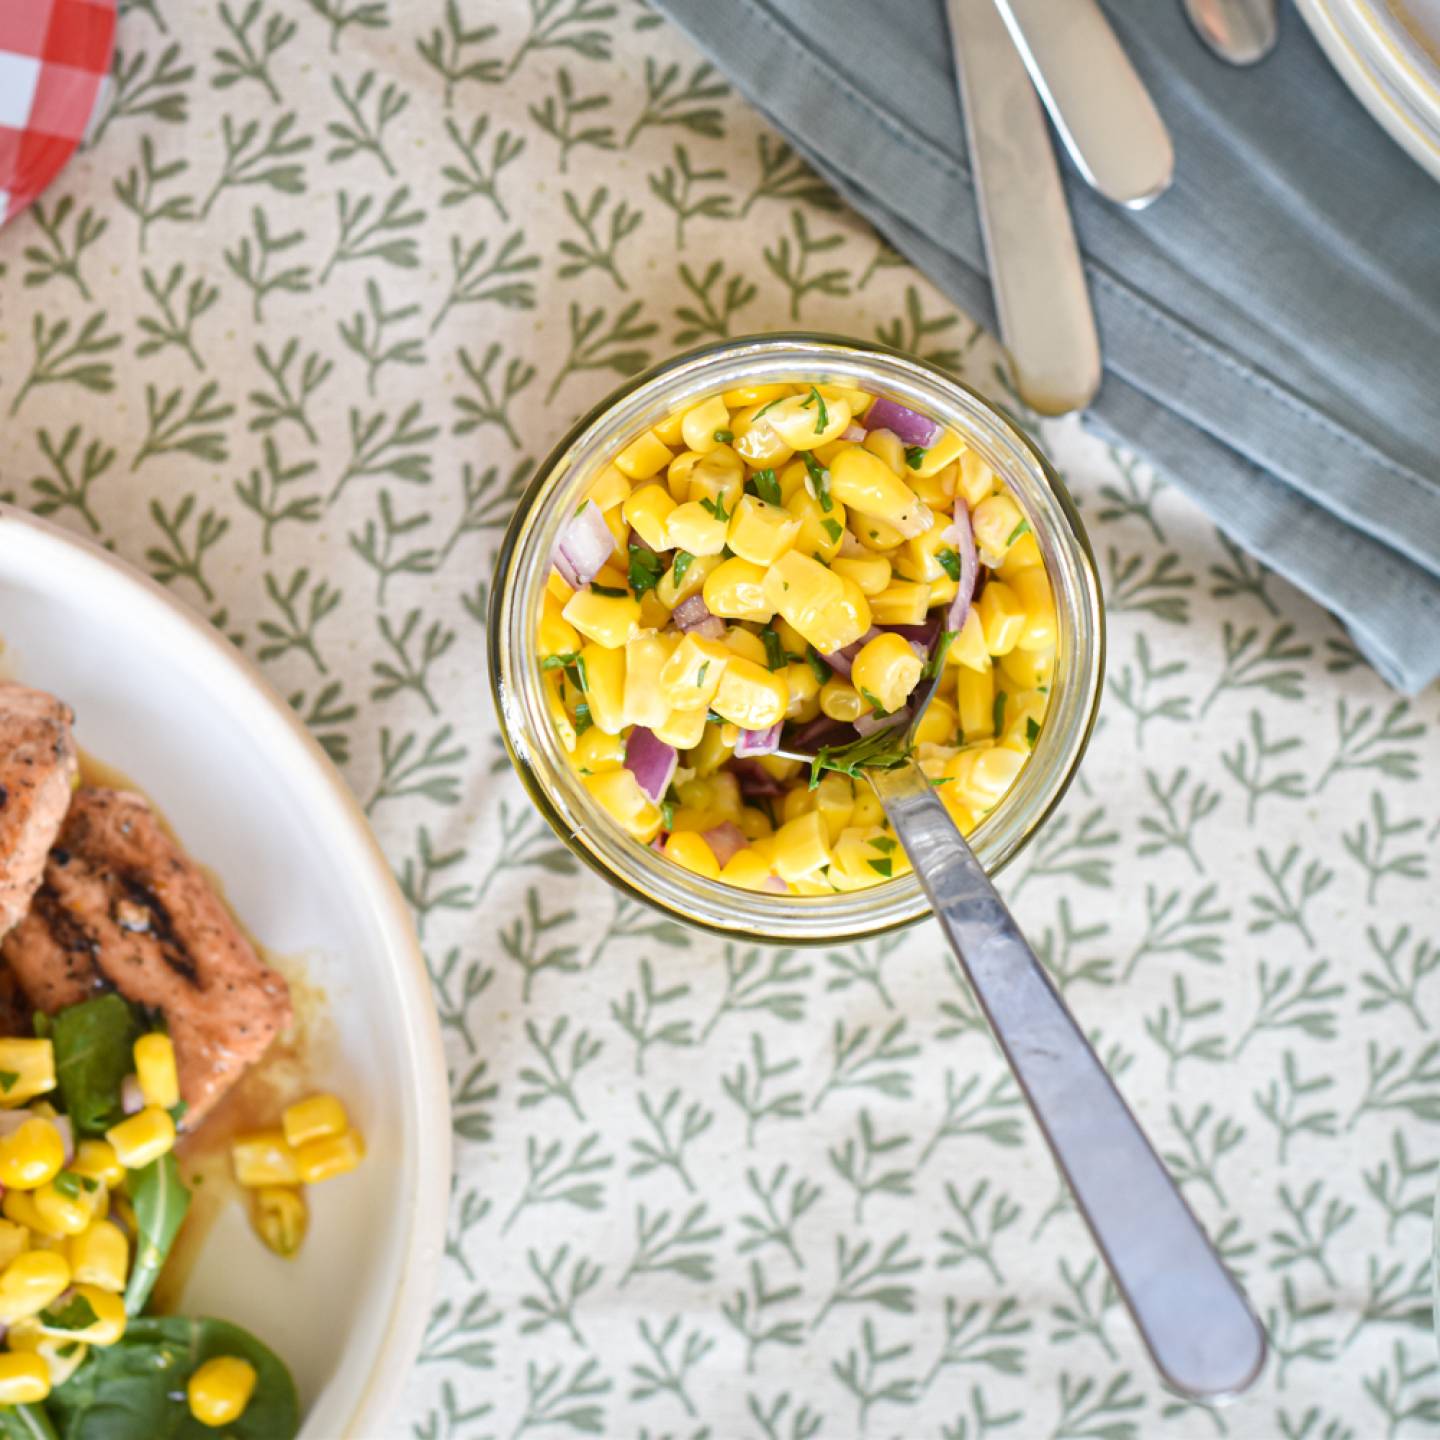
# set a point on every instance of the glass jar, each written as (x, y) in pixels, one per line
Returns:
(560, 483)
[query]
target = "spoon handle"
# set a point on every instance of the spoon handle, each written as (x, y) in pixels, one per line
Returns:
(1193, 1317)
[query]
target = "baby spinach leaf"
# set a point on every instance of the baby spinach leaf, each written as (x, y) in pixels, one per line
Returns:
(160, 1200)
(25, 1422)
(135, 1390)
(93, 1043)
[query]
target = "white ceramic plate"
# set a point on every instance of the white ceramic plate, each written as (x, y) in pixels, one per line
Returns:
(1388, 53)
(168, 701)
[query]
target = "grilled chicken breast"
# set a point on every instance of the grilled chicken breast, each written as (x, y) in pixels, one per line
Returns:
(38, 766)
(122, 907)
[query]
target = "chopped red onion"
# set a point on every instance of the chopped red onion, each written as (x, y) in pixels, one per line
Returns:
(910, 426)
(822, 730)
(651, 761)
(725, 840)
(755, 780)
(922, 651)
(869, 724)
(759, 742)
(132, 1099)
(12, 1120)
(776, 885)
(584, 546)
(841, 660)
(854, 432)
(690, 613)
(969, 566)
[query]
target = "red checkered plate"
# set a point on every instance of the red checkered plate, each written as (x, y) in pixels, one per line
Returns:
(54, 57)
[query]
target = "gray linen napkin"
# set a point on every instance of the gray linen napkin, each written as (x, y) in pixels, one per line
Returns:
(1271, 326)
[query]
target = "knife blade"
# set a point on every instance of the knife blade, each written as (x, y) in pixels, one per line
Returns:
(1099, 105)
(1035, 270)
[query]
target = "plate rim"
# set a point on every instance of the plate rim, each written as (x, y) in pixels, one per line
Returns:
(423, 1201)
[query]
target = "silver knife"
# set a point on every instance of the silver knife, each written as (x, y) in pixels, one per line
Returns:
(1035, 271)
(1100, 106)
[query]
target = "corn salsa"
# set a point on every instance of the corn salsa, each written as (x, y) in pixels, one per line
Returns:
(783, 566)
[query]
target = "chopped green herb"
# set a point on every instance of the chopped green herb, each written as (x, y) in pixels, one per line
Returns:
(936, 662)
(914, 454)
(582, 676)
(822, 415)
(713, 717)
(9, 1079)
(882, 867)
(68, 1184)
(883, 750)
(949, 562)
(550, 662)
(819, 479)
(1032, 731)
(700, 678)
(683, 561)
(667, 814)
(775, 657)
(582, 505)
(66, 1350)
(716, 506)
(833, 528)
(874, 703)
(611, 592)
(817, 664)
(77, 1313)
(936, 781)
(1043, 689)
(1021, 529)
(770, 406)
(724, 437)
(999, 714)
(646, 568)
(767, 487)
(582, 719)
(885, 845)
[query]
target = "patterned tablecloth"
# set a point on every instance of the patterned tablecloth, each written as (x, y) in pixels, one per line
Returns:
(290, 333)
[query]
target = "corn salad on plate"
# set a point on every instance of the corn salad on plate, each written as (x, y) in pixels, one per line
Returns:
(131, 1004)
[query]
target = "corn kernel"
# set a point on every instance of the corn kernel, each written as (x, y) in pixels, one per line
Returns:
(938, 725)
(802, 590)
(62, 1356)
(555, 585)
(693, 573)
(902, 602)
(24, 1378)
(608, 620)
(667, 431)
(869, 855)
(840, 700)
(945, 451)
(683, 729)
(691, 676)
(14, 1240)
(618, 793)
(695, 528)
(597, 750)
(795, 803)
(31, 1155)
(1024, 553)
(886, 445)
(806, 421)
(604, 672)
(99, 1255)
(975, 479)
(1028, 669)
(30, 1282)
(751, 696)
(677, 475)
(327, 1158)
(643, 457)
(937, 490)
(976, 703)
(220, 1389)
(19, 1207)
(700, 423)
(748, 646)
(555, 635)
(822, 530)
(867, 484)
(925, 557)
(968, 647)
(280, 1219)
(762, 532)
(155, 1069)
(744, 395)
(27, 1069)
(844, 622)
(718, 477)
(265, 1157)
(888, 668)
(995, 520)
(802, 846)
(610, 488)
(68, 1208)
(803, 686)
(835, 802)
(641, 700)
(1032, 589)
(1001, 617)
(734, 590)
(746, 870)
(690, 852)
(870, 572)
(1024, 716)
(313, 1118)
(992, 774)
(756, 443)
(648, 511)
(559, 715)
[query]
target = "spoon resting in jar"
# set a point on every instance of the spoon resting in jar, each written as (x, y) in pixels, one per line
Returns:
(1194, 1319)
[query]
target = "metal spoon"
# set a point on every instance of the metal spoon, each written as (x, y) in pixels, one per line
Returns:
(1192, 1316)
(1238, 31)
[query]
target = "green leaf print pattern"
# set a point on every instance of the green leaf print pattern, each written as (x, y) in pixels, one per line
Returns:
(291, 334)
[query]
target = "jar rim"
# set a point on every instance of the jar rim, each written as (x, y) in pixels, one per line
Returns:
(523, 564)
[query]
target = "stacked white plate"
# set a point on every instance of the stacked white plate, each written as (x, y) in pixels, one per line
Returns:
(1388, 53)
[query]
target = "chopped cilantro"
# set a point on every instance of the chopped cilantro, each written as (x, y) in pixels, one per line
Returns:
(646, 568)
(819, 480)
(936, 662)
(667, 814)
(882, 867)
(9, 1079)
(683, 561)
(550, 662)
(914, 454)
(1032, 731)
(949, 562)
(716, 506)
(936, 781)
(1043, 689)
(714, 717)
(611, 592)
(582, 676)
(999, 714)
(69, 1184)
(775, 657)
(724, 437)
(700, 678)
(77, 1313)
(1021, 529)
(767, 487)
(833, 528)
(770, 406)
(582, 505)
(817, 664)
(582, 719)
(885, 845)
(822, 415)
(874, 703)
